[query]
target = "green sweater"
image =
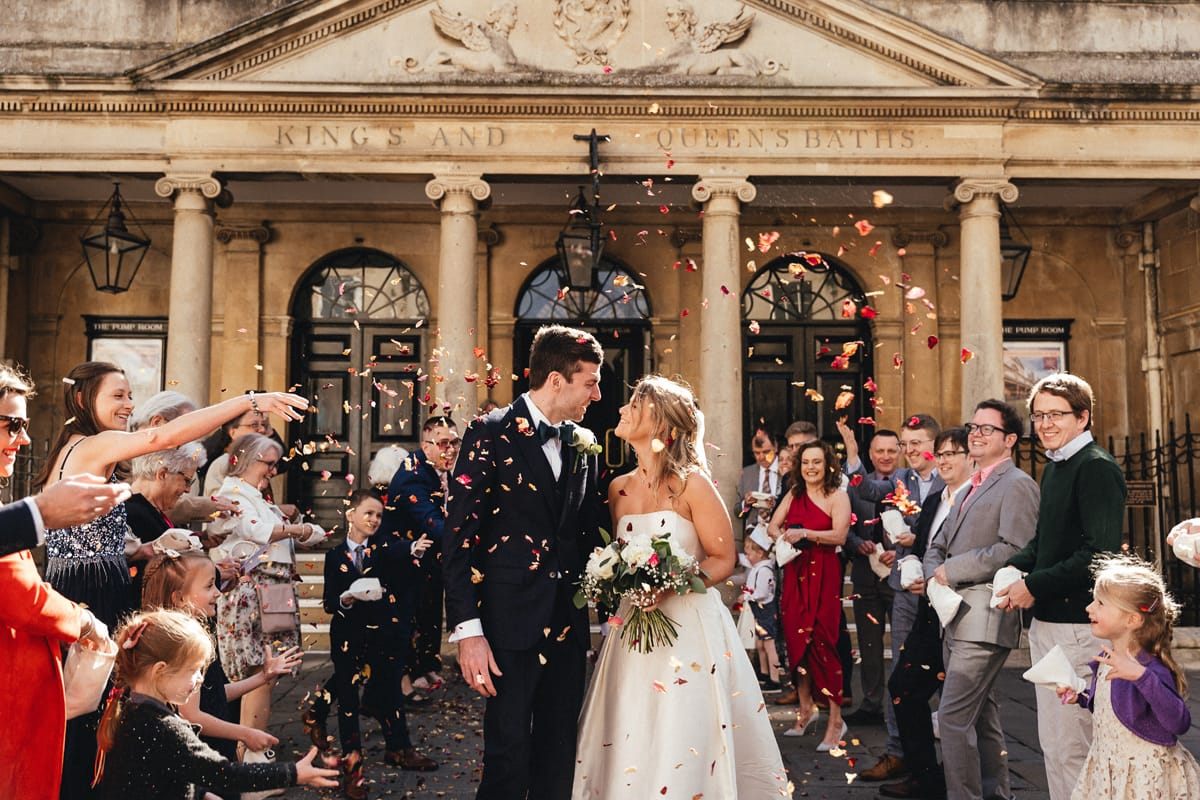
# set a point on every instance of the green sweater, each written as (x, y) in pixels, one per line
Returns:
(1082, 513)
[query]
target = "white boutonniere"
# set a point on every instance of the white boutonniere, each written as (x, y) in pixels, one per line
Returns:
(583, 440)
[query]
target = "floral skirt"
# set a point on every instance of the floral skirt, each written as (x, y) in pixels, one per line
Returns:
(240, 638)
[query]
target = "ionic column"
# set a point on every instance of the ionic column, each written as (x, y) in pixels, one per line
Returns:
(720, 325)
(241, 290)
(459, 197)
(978, 201)
(189, 329)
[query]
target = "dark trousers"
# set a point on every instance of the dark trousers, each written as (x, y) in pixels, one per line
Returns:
(378, 675)
(916, 677)
(846, 656)
(872, 610)
(427, 624)
(529, 727)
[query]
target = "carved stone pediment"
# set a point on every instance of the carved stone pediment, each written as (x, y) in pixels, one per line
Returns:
(825, 44)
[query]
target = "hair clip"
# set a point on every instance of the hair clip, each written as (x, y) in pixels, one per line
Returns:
(172, 554)
(1148, 609)
(135, 634)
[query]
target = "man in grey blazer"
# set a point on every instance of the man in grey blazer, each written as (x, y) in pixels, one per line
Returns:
(995, 520)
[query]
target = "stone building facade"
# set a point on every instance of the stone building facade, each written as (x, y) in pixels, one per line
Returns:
(800, 198)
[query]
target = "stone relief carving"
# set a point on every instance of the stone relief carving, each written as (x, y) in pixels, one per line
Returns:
(699, 53)
(591, 27)
(485, 45)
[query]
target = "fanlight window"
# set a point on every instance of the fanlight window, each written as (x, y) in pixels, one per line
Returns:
(620, 297)
(801, 288)
(361, 283)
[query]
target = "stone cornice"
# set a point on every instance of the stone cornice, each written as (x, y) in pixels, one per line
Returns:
(839, 106)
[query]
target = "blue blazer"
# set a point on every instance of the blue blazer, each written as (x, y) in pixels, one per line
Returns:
(415, 502)
(17, 529)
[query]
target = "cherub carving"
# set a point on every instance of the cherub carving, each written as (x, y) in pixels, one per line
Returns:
(485, 45)
(699, 55)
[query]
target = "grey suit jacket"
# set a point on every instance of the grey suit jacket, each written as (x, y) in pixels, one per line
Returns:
(748, 481)
(980, 535)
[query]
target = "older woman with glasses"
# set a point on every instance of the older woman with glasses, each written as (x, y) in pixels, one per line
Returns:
(158, 481)
(264, 541)
(220, 443)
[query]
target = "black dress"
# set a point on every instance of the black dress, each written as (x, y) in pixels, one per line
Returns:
(146, 523)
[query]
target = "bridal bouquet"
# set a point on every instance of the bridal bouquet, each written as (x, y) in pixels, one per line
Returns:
(638, 569)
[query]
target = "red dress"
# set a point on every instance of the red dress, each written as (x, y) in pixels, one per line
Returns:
(35, 621)
(810, 606)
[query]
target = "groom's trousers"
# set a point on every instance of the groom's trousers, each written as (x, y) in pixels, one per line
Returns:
(534, 717)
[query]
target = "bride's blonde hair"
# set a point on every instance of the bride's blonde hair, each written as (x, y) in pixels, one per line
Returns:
(678, 427)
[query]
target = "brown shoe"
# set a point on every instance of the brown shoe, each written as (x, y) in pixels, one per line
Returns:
(352, 778)
(314, 727)
(410, 759)
(888, 766)
(787, 699)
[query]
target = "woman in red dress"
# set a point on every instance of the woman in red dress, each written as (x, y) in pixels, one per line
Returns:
(814, 518)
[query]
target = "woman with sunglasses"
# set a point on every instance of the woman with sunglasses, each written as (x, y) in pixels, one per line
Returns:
(35, 622)
(264, 541)
(87, 563)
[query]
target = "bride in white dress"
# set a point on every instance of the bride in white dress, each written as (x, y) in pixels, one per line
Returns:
(686, 720)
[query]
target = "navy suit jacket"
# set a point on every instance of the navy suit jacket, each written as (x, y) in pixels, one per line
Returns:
(516, 539)
(415, 502)
(384, 624)
(17, 529)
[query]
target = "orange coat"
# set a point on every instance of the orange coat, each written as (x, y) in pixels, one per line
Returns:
(34, 622)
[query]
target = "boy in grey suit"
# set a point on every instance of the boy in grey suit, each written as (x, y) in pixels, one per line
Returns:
(996, 518)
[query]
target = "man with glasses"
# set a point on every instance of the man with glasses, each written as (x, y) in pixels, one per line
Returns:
(918, 669)
(1081, 515)
(416, 511)
(996, 518)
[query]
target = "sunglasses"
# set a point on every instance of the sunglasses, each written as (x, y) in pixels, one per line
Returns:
(15, 424)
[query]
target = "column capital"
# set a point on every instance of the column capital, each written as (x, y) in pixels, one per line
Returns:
(228, 232)
(443, 185)
(205, 184)
(967, 189)
(935, 238)
(738, 188)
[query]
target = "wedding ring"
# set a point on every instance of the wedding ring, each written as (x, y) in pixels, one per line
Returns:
(479, 678)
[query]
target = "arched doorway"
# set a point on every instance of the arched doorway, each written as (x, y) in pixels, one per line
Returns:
(806, 310)
(356, 352)
(618, 315)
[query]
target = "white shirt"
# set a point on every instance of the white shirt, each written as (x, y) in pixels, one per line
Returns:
(1072, 447)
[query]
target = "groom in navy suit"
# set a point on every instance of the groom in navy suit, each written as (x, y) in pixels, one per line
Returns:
(522, 518)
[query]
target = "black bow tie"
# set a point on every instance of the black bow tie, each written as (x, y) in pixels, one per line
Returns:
(546, 432)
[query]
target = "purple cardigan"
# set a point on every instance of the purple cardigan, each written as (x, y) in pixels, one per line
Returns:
(1149, 706)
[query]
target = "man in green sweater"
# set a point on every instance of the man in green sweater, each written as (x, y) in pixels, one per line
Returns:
(1081, 514)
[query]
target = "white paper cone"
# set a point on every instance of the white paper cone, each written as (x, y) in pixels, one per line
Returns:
(784, 552)
(1185, 543)
(1004, 577)
(893, 524)
(1055, 670)
(366, 589)
(910, 571)
(945, 601)
(877, 566)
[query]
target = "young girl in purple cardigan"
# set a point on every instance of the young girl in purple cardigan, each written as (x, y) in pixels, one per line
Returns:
(1136, 691)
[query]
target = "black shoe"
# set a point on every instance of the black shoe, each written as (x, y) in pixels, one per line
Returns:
(771, 686)
(864, 716)
(415, 701)
(910, 788)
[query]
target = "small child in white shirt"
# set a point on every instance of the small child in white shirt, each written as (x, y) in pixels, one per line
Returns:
(760, 599)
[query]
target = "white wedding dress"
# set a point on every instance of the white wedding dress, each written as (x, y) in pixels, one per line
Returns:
(682, 721)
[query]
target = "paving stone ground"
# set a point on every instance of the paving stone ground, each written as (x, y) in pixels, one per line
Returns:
(450, 731)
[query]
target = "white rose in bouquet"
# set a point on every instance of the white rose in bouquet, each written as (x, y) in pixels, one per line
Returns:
(601, 562)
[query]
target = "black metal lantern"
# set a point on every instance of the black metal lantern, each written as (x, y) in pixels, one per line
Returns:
(114, 254)
(580, 244)
(1014, 256)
